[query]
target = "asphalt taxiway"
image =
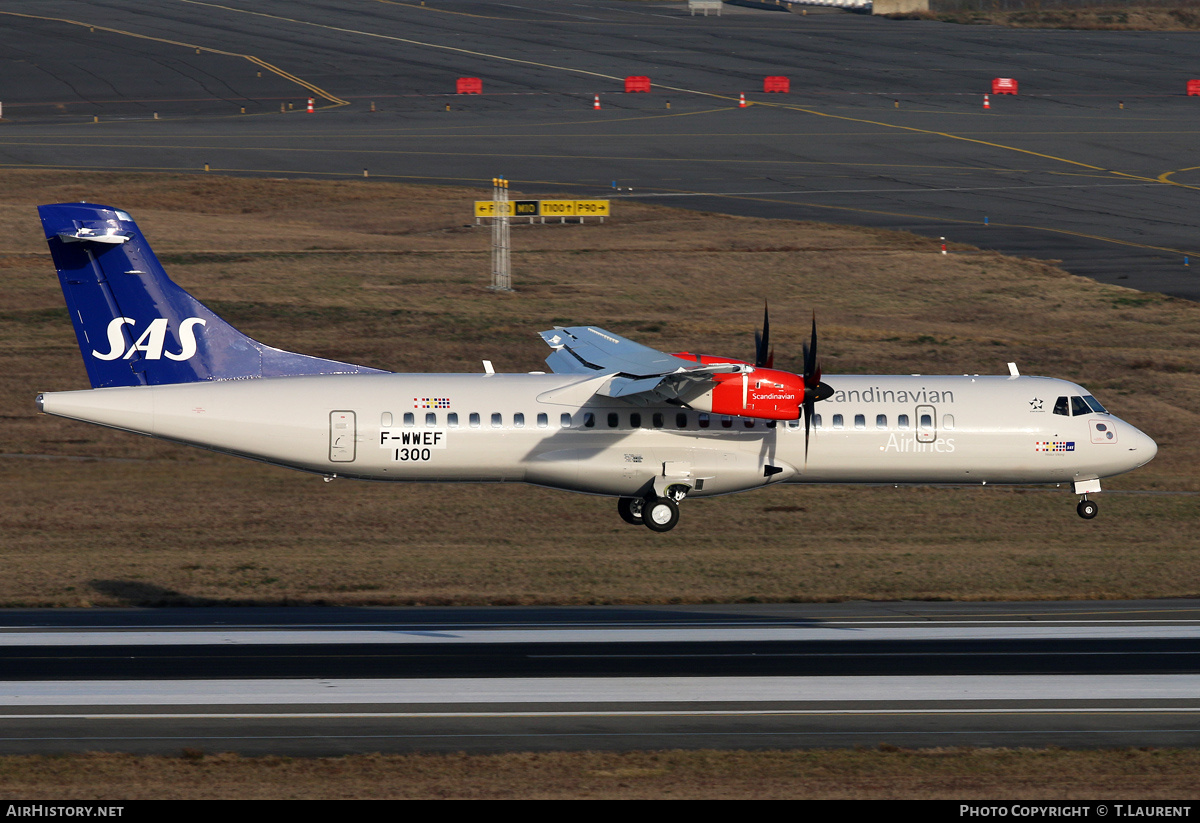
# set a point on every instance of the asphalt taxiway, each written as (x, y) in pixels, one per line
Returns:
(1092, 163)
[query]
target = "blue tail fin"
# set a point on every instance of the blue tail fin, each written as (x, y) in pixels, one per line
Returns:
(135, 326)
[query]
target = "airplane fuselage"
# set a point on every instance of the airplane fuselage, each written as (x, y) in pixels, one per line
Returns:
(555, 430)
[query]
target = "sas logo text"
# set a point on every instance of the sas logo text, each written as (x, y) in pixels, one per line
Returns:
(152, 340)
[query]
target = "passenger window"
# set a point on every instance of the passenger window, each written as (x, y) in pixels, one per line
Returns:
(681, 420)
(519, 420)
(589, 420)
(474, 420)
(795, 424)
(902, 422)
(948, 421)
(838, 422)
(1060, 407)
(816, 421)
(658, 420)
(726, 422)
(613, 420)
(430, 419)
(704, 420)
(926, 421)
(409, 420)
(543, 420)
(564, 421)
(497, 420)
(860, 421)
(1078, 406)
(635, 420)
(881, 421)
(749, 422)
(385, 419)
(452, 420)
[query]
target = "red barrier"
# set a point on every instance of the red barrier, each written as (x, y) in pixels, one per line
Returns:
(1004, 85)
(776, 83)
(469, 85)
(1193, 88)
(637, 83)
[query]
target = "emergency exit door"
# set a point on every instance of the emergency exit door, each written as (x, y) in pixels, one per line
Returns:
(926, 424)
(343, 430)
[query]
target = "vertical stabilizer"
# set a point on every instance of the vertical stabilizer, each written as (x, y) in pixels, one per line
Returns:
(135, 326)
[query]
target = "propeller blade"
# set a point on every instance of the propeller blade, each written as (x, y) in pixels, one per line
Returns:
(807, 426)
(814, 389)
(764, 357)
(810, 354)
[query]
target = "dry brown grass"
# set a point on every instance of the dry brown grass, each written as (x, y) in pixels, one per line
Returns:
(886, 773)
(1100, 17)
(394, 277)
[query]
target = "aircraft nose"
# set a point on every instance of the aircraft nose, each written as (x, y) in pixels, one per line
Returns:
(1142, 447)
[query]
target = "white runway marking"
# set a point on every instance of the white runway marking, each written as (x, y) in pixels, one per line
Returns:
(567, 690)
(338, 636)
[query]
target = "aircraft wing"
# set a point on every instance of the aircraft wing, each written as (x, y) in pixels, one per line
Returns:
(640, 373)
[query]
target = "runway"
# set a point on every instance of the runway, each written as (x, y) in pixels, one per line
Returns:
(1092, 163)
(328, 681)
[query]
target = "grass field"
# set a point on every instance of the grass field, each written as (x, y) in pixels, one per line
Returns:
(881, 773)
(395, 277)
(1097, 17)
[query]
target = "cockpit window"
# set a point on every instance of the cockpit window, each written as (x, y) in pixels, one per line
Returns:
(1078, 406)
(1061, 407)
(1094, 404)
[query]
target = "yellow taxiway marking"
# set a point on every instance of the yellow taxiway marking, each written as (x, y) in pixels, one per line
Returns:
(335, 101)
(410, 41)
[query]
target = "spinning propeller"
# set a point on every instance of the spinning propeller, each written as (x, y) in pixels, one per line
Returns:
(814, 389)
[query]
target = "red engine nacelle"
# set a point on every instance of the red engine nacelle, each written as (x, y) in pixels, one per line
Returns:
(768, 394)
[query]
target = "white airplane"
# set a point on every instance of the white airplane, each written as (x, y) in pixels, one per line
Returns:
(613, 418)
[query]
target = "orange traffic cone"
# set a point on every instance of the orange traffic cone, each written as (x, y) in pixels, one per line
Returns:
(742, 100)
(596, 103)
(986, 104)
(310, 105)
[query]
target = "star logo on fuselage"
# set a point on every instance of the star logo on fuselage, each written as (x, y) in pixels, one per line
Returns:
(1035, 404)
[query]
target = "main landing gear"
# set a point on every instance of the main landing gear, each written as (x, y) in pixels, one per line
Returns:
(658, 514)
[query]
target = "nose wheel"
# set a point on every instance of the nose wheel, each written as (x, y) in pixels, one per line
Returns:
(1087, 509)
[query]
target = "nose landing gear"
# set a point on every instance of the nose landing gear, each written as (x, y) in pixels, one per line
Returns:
(1087, 508)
